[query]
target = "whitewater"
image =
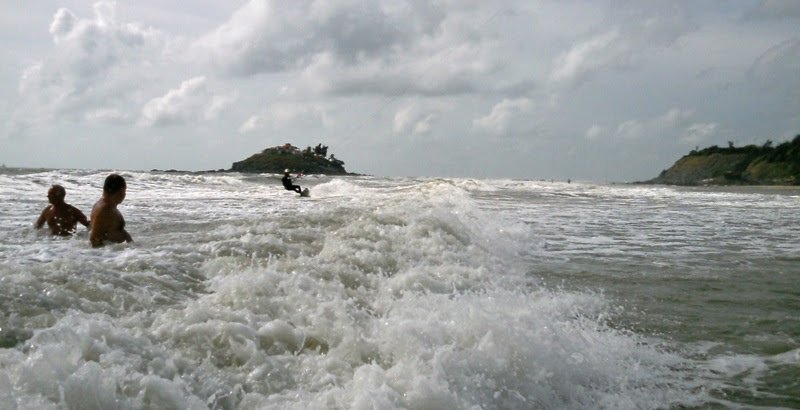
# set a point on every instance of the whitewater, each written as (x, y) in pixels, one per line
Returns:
(400, 293)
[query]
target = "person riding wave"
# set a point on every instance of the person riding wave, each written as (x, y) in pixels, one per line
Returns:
(287, 183)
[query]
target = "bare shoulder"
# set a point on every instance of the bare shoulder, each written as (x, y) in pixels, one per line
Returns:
(103, 214)
(43, 216)
(47, 210)
(101, 207)
(75, 210)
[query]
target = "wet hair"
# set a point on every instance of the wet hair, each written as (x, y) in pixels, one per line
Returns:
(114, 183)
(58, 190)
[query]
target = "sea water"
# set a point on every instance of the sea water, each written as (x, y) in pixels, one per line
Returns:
(385, 293)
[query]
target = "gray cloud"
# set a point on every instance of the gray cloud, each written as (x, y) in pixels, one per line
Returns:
(96, 68)
(675, 125)
(624, 39)
(63, 23)
(282, 115)
(779, 66)
(191, 101)
(523, 88)
(361, 47)
(507, 117)
(269, 35)
(774, 10)
(418, 118)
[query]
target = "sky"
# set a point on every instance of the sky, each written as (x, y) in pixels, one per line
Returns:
(597, 90)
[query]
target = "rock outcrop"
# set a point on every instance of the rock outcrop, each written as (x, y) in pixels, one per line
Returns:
(276, 159)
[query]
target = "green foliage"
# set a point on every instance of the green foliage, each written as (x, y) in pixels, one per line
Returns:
(749, 149)
(321, 150)
(276, 159)
(751, 164)
(786, 152)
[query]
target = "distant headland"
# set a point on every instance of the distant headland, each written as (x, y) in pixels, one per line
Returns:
(279, 158)
(276, 159)
(749, 165)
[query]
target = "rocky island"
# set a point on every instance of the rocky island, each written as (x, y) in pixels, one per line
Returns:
(276, 159)
(749, 165)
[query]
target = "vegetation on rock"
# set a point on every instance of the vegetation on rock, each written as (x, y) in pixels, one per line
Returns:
(276, 159)
(749, 165)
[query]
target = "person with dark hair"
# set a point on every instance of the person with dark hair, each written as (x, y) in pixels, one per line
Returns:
(61, 217)
(288, 184)
(107, 224)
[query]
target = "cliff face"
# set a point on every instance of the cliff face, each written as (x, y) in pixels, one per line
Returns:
(750, 165)
(276, 159)
(694, 170)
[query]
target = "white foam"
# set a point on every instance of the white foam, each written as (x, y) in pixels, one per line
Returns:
(372, 293)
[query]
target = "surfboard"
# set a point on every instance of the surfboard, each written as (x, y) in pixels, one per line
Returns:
(305, 192)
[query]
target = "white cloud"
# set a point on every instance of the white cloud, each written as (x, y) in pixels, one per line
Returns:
(654, 127)
(374, 76)
(64, 22)
(357, 47)
(676, 124)
(414, 119)
(506, 116)
(455, 71)
(107, 116)
(98, 66)
(191, 101)
(253, 123)
(284, 115)
(627, 37)
(88, 49)
(596, 132)
(587, 56)
(270, 35)
(424, 126)
(219, 103)
(697, 133)
(31, 78)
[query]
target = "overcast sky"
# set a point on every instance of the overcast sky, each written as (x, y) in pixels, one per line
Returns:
(582, 89)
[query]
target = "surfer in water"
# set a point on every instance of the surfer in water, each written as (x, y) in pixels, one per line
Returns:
(61, 217)
(287, 183)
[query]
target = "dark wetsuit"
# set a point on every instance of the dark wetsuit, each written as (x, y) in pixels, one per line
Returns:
(287, 183)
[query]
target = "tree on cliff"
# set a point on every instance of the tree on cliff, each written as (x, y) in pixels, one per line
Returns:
(336, 161)
(276, 159)
(321, 150)
(751, 164)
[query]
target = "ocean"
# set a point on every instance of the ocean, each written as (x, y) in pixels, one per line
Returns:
(401, 293)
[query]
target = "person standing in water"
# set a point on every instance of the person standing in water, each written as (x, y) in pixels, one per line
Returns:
(107, 224)
(61, 217)
(287, 183)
